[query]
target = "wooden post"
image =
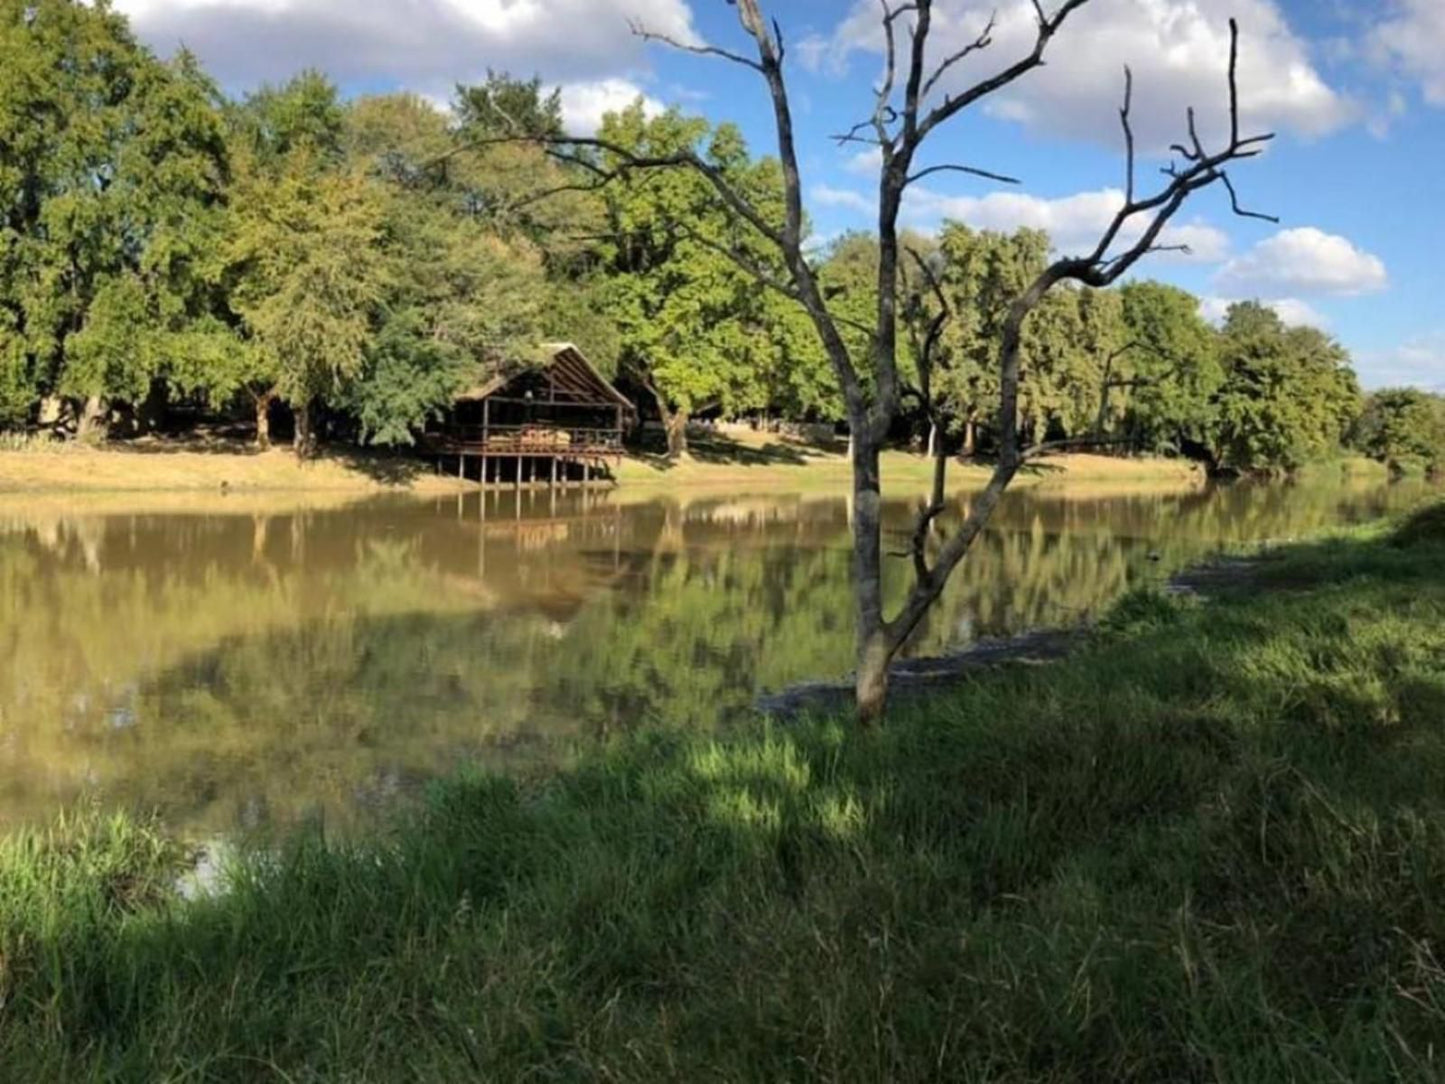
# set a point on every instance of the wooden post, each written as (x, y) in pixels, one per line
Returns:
(462, 465)
(586, 473)
(553, 483)
(517, 482)
(482, 474)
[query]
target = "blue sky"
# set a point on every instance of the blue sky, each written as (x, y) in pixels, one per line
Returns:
(1355, 89)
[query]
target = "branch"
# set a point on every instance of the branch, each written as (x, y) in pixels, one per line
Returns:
(640, 30)
(1240, 211)
(983, 41)
(936, 505)
(953, 104)
(970, 170)
(629, 162)
(1200, 170)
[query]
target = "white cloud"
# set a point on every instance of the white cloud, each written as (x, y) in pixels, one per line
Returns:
(1178, 50)
(1293, 311)
(865, 163)
(1304, 260)
(829, 196)
(584, 104)
(1419, 362)
(1074, 223)
(1412, 38)
(423, 45)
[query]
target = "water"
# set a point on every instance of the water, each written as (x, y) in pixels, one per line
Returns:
(249, 662)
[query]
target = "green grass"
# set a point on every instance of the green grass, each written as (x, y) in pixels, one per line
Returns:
(1211, 846)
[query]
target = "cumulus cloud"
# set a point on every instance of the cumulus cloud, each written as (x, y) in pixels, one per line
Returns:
(1418, 362)
(423, 45)
(1304, 260)
(828, 196)
(1074, 223)
(1178, 50)
(1412, 38)
(584, 104)
(865, 163)
(1293, 311)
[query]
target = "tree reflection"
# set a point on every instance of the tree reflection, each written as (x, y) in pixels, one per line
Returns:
(235, 669)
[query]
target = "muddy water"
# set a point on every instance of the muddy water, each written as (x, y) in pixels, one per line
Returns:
(248, 663)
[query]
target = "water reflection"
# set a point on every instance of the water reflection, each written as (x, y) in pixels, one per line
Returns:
(236, 667)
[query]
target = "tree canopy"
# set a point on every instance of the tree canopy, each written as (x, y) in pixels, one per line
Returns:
(360, 261)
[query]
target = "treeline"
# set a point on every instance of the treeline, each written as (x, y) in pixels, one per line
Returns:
(168, 253)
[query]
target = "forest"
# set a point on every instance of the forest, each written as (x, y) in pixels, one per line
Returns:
(170, 256)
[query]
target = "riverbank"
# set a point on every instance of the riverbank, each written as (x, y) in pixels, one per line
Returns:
(756, 463)
(1209, 844)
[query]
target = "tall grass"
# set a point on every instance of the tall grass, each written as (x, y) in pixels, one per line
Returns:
(1211, 846)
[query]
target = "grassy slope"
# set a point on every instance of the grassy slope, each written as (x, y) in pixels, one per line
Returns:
(1211, 846)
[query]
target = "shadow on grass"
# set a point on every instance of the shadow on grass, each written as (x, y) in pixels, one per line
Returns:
(1208, 846)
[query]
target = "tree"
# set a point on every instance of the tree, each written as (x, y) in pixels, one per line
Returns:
(1170, 374)
(905, 114)
(111, 184)
(692, 330)
(1403, 428)
(460, 295)
(1288, 394)
(311, 278)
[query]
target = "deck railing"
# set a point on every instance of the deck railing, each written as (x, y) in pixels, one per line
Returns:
(532, 439)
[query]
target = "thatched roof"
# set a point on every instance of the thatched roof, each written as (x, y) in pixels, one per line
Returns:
(574, 379)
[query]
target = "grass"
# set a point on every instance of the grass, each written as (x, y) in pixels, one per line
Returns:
(757, 461)
(1210, 846)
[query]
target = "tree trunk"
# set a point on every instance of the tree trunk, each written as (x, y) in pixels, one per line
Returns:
(875, 651)
(263, 420)
(674, 422)
(90, 423)
(970, 438)
(675, 425)
(304, 441)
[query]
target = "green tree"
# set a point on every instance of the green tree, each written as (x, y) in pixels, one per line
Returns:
(461, 295)
(111, 186)
(692, 325)
(1403, 428)
(1288, 396)
(1171, 371)
(311, 277)
(983, 272)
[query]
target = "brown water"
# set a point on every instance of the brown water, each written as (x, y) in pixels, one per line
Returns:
(252, 663)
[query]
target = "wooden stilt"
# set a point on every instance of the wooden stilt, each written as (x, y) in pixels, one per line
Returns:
(462, 466)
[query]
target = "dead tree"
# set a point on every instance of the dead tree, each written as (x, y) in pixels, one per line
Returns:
(908, 108)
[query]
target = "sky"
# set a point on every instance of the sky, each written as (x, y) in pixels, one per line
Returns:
(1354, 89)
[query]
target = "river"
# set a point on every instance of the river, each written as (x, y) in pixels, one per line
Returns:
(245, 662)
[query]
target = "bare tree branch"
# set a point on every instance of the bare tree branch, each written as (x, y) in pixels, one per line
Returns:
(970, 170)
(641, 31)
(629, 162)
(983, 41)
(953, 104)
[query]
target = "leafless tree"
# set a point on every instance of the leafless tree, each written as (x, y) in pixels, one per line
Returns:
(909, 106)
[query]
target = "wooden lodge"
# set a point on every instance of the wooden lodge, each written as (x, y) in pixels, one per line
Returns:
(559, 422)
